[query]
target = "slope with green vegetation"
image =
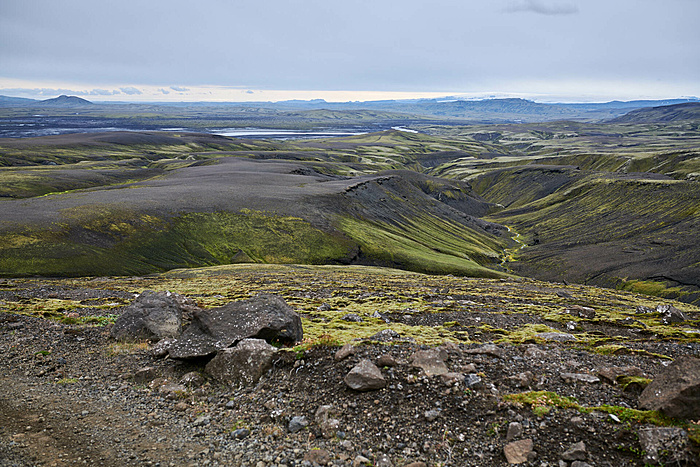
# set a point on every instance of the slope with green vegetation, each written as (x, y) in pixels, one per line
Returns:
(612, 204)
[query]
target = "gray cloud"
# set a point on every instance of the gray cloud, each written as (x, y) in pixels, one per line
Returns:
(130, 90)
(249, 92)
(103, 92)
(164, 91)
(535, 6)
(531, 46)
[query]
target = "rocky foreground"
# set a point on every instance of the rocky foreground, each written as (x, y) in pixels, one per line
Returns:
(393, 369)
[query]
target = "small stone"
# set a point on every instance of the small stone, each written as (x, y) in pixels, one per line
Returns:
(230, 405)
(318, 456)
(487, 349)
(431, 415)
(581, 311)
(344, 352)
(556, 336)
(192, 379)
(382, 460)
(145, 375)
(580, 378)
(576, 452)
(241, 433)
(473, 381)
(181, 406)
(515, 430)
(522, 380)
(361, 461)
(611, 374)
(201, 421)
(352, 317)
(365, 376)
(386, 335)
(532, 352)
(324, 307)
(432, 361)
(450, 379)
(580, 464)
(517, 451)
(297, 424)
(387, 360)
(416, 464)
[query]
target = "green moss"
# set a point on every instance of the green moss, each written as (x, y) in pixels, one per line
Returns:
(638, 381)
(648, 287)
(542, 402)
(136, 244)
(67, 381)
(425, 244)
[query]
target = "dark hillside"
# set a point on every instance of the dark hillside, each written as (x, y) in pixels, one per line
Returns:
(665, 114)
(65, 101)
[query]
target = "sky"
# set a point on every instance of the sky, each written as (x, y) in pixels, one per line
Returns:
(271, 50)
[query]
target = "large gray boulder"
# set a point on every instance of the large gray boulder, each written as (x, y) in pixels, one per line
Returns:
(676, 391)
(242, 365)
(153, 315)
(265, 317)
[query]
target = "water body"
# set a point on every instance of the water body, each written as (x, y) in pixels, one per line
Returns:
(41, 125)
(271, 133)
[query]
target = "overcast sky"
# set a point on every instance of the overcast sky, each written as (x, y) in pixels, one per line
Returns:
(546, 50)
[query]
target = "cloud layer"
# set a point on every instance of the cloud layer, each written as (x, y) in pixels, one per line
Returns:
(550, 9)
(454, 46)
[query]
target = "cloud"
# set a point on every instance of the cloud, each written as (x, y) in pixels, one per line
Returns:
(179, 88)
(103, 92)
(249, 92)
(130, 90)
(164, 91)
(541, 8)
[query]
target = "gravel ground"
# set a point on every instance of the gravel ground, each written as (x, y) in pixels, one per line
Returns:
(70, 395)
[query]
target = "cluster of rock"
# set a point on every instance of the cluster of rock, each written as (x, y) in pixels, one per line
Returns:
(235, 341)
(237, 335)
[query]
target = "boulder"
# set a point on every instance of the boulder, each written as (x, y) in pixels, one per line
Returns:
(153, 315)
(666, 446)
(432, 361)
(581, 311)
(365, 376)
(576, 452)
(518, 452)
(344, 352)
(676, 391)
(242, 365)
(264, 317)
(670, 314)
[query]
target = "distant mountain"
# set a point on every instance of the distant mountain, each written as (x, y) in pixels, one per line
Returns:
(510, 110)
(7, 101)
(666, 113)
(65, 101)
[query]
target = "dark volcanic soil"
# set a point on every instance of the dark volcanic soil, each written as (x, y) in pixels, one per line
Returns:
(70, 395)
